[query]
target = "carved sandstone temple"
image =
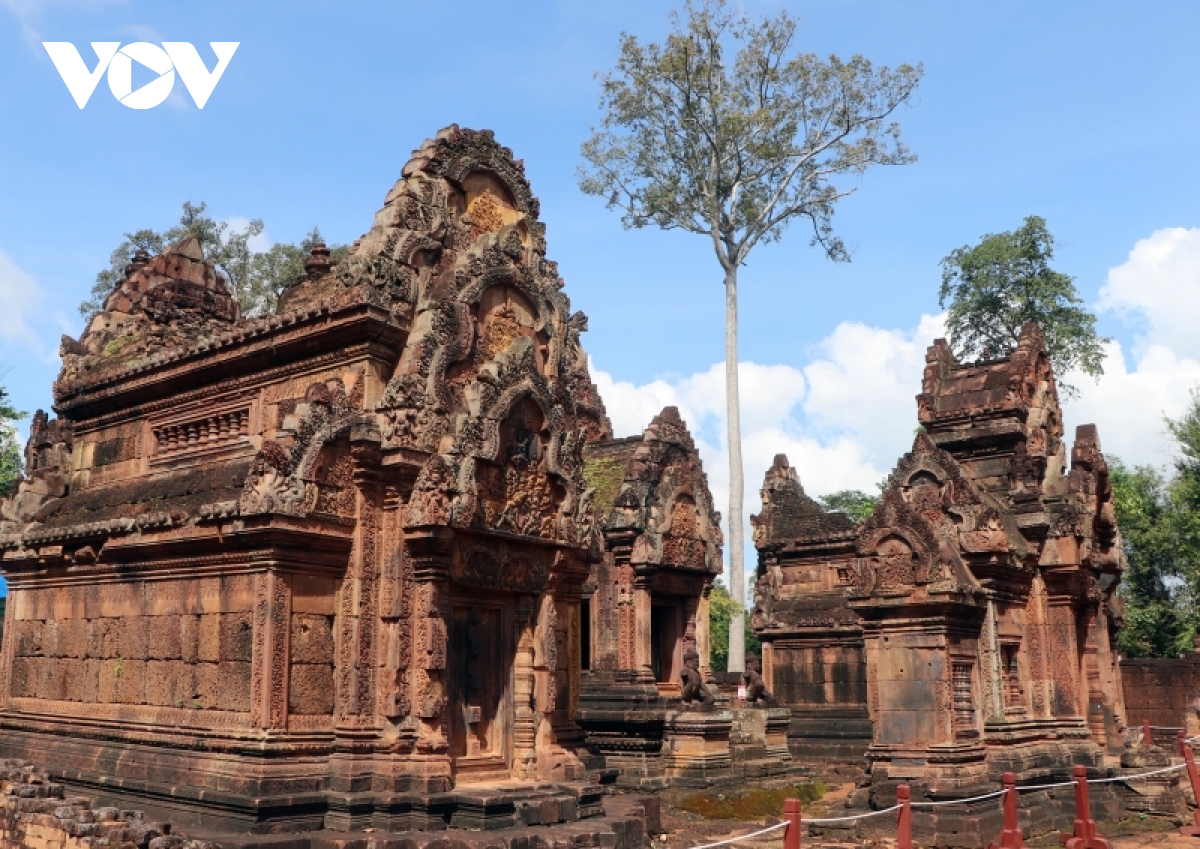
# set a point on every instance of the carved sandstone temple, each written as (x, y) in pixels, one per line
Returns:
(647, 599)
(978, 599)
(323, 566)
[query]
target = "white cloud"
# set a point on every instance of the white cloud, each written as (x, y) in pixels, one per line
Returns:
(20, 295)
(843, 419)
(864, 384)
(1128, 406)
(1159, 287)
(261, 242)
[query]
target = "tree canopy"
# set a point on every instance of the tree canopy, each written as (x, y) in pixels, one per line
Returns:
(255, 278)
(1159, 515)
(11, 460)
(855, 503)
(724, 131)
(734, 148)
(721, 610)
(998, 285)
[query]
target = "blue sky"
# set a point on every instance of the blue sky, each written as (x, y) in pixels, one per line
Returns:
(1085, 113)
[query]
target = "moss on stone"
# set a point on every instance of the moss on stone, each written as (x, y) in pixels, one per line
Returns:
(605, 475)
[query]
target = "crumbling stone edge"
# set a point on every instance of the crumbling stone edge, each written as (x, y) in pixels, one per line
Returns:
(39, 815)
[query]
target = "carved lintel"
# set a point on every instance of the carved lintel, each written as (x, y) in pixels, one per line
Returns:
(430, 550)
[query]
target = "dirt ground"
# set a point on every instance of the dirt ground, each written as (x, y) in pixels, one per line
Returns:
(684, 829)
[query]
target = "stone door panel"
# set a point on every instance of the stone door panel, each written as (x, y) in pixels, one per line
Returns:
(480, 696)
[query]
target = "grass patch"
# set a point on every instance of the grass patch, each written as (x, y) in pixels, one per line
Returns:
(752, 803)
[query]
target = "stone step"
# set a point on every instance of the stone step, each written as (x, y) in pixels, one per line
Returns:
(626, 823)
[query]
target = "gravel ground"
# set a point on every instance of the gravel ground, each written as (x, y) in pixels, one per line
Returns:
(683, 830)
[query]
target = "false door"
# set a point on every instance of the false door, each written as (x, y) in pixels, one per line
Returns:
(480, 698)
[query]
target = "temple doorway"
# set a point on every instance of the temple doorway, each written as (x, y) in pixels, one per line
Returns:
(479, 691)
(666, 645)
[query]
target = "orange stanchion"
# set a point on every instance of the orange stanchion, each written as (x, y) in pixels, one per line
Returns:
(1147, 735)
(791, 834)
(1011, 836)
(1084, 836)
(1189, 758)
(904, 829)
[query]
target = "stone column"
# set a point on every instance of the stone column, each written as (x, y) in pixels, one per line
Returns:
(991, 674)
(16, 597)
(643, 633)
(270, 653)
(524, 765)
(704, 635)
(1066, 698)
(429, 548)
(395, 613)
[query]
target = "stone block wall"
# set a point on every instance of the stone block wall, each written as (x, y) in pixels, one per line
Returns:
(167, 646)
(39, 815)
(136, 643)
(1164, 691)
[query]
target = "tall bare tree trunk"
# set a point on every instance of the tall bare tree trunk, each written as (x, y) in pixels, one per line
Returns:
(733, 416)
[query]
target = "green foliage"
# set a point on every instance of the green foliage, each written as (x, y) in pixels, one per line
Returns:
(855, 503)
(11, 459)
(722, 130)
(1159, 518)
(751, 803)
(997, 286)
(1155, 623)
(256, 278)
(721, 607)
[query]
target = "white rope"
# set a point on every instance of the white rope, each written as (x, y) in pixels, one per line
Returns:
(960, 801)
(1045, 786)
(752, 834)
(1165, 728)
(830, 820)
(1103, 780)
(1133, 777)
(849, 819)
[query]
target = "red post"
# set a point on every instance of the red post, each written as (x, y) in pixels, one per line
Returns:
(791, 834)
(1084, 836)
(904, 830)
(1147, 736)
(1010, 837)
(1189, 758)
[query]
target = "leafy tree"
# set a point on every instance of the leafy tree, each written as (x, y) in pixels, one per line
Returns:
(855, 503)
(1185, 497)
(256, 278)
(722, 609)
(1006, 280)
(1155, 623)
(725, 132)
(1160, 522)
(11, 460)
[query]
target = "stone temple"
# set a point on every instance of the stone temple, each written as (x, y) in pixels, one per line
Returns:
(325, 566)
(376, 561)
(967, 627)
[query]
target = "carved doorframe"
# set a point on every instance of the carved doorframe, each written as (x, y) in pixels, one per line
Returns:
(495, 649)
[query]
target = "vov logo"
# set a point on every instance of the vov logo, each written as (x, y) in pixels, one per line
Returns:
(118, 61)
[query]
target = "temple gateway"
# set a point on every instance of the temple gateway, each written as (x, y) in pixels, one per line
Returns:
(319, 567)
(968, 626)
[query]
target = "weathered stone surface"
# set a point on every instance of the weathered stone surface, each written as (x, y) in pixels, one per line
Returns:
(276, 569)
(979, 596)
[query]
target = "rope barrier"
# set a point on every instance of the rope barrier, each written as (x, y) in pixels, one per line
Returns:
(1046, 786)
(1165, 728)
(960, 801)
(855, 817)
(1175, 768)
(752, 834)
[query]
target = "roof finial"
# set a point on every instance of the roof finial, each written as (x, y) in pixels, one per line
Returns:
(318, 262)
